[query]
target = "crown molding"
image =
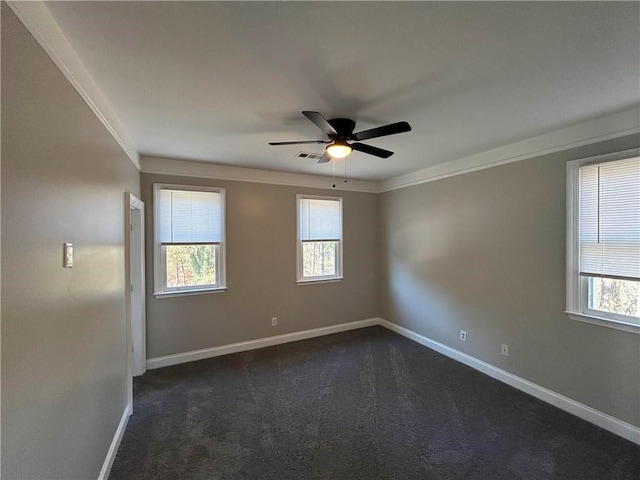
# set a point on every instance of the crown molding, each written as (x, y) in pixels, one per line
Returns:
(36, 17)
(38, 20)
(626, 122)
(190, 168)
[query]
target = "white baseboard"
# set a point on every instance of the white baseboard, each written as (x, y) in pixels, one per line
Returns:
(177, 358)
(115, 443)
(612, 424)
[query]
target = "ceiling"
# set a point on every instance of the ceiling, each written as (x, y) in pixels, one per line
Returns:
(217, 81)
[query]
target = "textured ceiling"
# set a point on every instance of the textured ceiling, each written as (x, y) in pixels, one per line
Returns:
(216, 81)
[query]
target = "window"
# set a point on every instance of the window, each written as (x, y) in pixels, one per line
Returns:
(603, 240)
(188, 240)
(319, 238)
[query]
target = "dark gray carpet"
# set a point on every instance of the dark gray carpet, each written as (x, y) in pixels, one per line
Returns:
(366, 404)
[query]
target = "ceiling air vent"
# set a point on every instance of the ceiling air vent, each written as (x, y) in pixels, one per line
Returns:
(312, 156)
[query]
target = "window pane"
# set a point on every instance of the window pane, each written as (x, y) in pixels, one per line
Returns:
(191, 265)
(614, 296)
(319, 259)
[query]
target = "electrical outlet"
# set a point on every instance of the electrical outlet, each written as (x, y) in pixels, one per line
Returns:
(463, 335)
(504, 350)
(274, 321)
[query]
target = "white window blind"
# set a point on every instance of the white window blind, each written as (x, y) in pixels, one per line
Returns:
(320, 219)
(189, 217)
(610, 219)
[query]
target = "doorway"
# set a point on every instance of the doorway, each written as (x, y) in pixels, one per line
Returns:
(135, 292)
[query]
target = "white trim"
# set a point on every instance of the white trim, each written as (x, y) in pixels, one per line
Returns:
(185, 293)
(595, 130)
(36, 17)
(115, 443)
(190, 168)
(135, 202)
(128, 298)
(604, 322)
(339, 273)
(159, 271)
(323, 280)
(185, 357)
(572, 252)
(612, 424)
(134, 237)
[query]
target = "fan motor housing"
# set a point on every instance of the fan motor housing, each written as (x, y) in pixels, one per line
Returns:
(344, 126)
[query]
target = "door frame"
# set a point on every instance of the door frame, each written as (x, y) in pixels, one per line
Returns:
(135, 291)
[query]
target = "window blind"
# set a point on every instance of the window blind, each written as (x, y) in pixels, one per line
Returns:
(610, 219)
(320, 219)
(189, 217)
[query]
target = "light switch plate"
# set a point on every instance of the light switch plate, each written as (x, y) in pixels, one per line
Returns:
(68, 255)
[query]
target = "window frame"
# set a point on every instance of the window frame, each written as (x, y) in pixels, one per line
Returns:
(159, 253)
(300, 279)
(577, 306)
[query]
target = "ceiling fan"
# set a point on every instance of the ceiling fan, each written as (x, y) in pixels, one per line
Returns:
(339, 130)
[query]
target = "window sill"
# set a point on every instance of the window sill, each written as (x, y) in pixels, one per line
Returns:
(605, 322)
(184, 293)
(320, 280)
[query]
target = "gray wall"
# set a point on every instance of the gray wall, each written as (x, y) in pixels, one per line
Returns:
(63, 330)
(261, 271)
(485, 252)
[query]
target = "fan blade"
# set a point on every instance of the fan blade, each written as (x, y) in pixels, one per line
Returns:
(390, 129)
(320, 122)
(297, 143)
(325, 158)
(378, 152)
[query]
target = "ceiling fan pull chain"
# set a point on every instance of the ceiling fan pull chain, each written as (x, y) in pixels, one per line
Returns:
(345, 169)
(333, 163)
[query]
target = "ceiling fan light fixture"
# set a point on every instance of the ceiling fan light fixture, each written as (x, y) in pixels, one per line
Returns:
(339, 149)
(340, 130)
